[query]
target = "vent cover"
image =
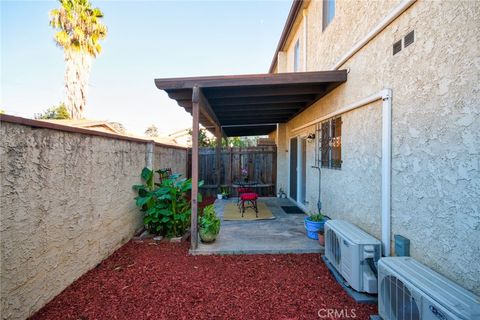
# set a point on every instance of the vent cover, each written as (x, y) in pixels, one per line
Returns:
(335, 247)
(397, 300)
(397, 47)
(409, 38)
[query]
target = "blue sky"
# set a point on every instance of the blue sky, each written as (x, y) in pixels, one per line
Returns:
(146, 40)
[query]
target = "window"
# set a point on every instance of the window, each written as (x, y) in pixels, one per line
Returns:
(296, 56)
(328, 12)
(331, 143)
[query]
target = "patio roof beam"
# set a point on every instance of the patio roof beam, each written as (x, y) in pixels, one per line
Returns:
(252, 80)
(248, 125)
(238, 115)
(272, 107)
(239, 92)
(250, 99)
(261, 100)
(257, 121)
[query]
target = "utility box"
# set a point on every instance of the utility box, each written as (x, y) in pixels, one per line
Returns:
(402, 246)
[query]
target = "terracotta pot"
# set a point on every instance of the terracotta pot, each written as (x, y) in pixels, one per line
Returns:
(321, 239)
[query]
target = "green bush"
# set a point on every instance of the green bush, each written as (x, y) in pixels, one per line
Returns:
(166, 206)
(209, 221)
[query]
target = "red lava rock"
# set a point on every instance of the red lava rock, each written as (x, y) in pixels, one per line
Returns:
(142, 281)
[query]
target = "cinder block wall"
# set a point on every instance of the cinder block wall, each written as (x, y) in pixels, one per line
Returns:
(66, 204)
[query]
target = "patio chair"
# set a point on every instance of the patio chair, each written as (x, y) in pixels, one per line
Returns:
(242, 190)
(250, 197)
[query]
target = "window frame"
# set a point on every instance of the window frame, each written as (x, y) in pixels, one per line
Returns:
(328, 13)
(330, 143)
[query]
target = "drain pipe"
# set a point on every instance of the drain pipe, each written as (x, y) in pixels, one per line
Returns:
(386, 97)
(386, 170)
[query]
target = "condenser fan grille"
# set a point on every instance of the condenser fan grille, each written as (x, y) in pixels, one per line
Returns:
(397, 300)
(334, 246)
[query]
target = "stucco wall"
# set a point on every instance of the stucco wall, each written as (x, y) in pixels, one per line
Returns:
(176, 159)
(436, 127)
(66, 204)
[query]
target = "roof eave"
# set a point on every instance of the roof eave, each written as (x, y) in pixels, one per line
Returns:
(292, 16)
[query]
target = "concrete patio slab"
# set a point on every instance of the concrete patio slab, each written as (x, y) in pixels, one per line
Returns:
(284, 234)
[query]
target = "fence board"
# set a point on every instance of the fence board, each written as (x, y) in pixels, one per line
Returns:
(260, 162)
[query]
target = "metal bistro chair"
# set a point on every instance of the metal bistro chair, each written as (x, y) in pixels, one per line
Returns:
(247, 194)
(249, 197)
(244, 187)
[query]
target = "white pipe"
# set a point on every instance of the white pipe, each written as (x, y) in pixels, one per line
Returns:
(386, 96)
(402, 7)
(149, 155)
(386, 170)
(350, 107)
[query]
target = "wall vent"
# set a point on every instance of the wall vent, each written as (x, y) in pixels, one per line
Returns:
(397, 47)
(409, 38)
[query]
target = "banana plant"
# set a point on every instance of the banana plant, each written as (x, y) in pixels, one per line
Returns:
(166, 205)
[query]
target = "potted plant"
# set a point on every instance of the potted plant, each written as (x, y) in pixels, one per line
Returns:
(314, 225)
(208, 225)
(219, 196)
(225, 193)
(245, 174)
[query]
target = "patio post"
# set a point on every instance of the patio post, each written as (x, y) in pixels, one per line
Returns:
(218, 134)
(195, 133)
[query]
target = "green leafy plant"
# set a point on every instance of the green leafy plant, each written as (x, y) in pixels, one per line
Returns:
(166, 205)
(224, 191)
(317, 217)
(209, 222)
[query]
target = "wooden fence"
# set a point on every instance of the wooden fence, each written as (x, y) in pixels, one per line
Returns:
(260, 162)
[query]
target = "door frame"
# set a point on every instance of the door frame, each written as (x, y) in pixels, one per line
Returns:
(299, 175)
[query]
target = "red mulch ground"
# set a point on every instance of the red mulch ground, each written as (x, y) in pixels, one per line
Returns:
(161, 281)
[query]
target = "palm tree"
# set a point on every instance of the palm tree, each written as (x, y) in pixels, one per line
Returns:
(79, 32)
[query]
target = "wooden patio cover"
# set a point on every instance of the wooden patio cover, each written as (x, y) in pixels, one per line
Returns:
(248, 105)
(244, 105)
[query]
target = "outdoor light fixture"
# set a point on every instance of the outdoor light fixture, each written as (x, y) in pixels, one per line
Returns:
(311, 137)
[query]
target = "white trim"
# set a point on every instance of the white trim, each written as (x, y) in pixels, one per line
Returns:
(289, 165)
(299, 169)
(402, 7)
(305, 43)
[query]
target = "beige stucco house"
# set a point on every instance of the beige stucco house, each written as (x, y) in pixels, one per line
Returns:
(423, 57)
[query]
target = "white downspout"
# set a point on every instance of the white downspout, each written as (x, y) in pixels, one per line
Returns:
(386, 170)
(386, 97)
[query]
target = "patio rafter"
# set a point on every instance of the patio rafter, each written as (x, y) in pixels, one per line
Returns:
(255, 96)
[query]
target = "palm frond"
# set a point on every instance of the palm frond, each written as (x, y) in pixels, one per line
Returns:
(79, 26)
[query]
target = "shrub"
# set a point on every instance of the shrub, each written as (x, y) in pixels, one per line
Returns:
(165, 205)
(209, 221)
